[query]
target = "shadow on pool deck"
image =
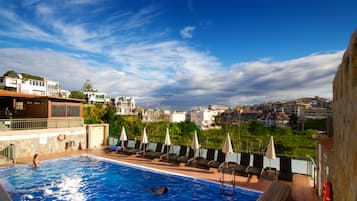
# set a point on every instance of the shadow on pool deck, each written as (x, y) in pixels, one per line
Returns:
(301, 187)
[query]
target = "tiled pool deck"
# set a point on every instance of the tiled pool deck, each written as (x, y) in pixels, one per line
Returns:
(302, 189)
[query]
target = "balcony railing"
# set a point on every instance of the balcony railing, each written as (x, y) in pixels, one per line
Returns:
(39, 123)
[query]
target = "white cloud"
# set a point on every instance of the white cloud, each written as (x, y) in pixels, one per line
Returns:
(187, 32)
(72, 72)
(135, 64)
(242, 83)
(257, 82)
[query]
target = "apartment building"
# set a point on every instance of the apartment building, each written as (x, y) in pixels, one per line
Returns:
(125, 105)
(154, 115)
(29, 84)
(316, 113)
(177, 117)
(205, 118)
(94, 97)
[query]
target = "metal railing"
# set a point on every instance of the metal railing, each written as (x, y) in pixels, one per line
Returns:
(39, 123)
(9, 153)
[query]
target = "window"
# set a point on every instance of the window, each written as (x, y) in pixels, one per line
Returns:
(13, 81)
(73, 111)
(19, 105)
(58, 110)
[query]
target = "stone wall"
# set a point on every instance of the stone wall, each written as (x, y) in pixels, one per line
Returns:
(344, 169)
(44, 141)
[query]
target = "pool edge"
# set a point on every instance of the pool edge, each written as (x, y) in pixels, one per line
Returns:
(171, 173)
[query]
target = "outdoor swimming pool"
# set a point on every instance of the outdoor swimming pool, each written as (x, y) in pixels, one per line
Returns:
(91, 178)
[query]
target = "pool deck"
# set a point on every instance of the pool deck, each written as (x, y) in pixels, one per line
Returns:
(302, 189)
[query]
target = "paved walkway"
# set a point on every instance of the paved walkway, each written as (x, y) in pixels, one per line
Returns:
(301, 187)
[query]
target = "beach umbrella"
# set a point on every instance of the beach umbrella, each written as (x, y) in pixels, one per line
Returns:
(167, 140)
(123, 136)
(195, 146)
(144, 139)
(271, 150)
(227, 146)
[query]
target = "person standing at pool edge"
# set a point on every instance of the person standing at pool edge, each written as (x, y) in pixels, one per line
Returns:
(35, 161)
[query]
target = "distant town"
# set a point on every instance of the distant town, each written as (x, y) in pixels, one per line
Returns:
(275, 113)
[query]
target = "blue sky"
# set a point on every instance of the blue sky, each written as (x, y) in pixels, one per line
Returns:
(180, 53)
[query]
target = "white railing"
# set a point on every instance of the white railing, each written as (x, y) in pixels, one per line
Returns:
(301, 165)
(40, 123)
(9, 153)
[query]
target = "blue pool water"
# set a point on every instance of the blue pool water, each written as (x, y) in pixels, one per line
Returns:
(91, 178)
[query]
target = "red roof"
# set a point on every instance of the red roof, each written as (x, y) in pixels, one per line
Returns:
(6, 93)
(13, 94)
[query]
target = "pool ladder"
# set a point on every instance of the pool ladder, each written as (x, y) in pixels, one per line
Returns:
(222, 177)
(9, 153)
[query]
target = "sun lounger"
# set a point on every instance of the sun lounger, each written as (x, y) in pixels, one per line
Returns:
(173, 158)
(239, 169)
(150, 154)
(285, 172)
(203, 162)
(113, 147)
(160, 154)
(130, 151)
(184, 159)
(124, 146)
(257, 166)
(221, 158)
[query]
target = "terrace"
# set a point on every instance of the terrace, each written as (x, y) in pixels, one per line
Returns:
(302, 187)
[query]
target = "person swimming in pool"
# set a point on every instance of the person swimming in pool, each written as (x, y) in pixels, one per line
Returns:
(35, 161)
(159, 191)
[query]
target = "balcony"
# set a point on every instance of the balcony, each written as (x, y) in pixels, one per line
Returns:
(40, 123)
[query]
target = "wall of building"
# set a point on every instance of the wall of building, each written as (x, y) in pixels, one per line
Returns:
(177, 117)
(44, 141)
(97, 135)
(344, 169)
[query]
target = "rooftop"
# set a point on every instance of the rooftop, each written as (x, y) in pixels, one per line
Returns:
(302, 188)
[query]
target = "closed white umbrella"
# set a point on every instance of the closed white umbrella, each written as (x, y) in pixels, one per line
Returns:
(227, 146)
(167, 140)
(144, 139)
(195, 146)
(271, 150)
(123, 137)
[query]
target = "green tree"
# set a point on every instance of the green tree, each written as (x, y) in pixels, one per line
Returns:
(77, 94)
(88, 87)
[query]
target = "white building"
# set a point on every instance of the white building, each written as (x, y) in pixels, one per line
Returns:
(52, 88)
(150, 115)
(125, 105)
(316, 113)
(177, 117)
(29, 84)
(97, 97)
(205, 118)
(64, 93)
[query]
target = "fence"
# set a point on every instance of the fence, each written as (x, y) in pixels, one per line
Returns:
(39, 123)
